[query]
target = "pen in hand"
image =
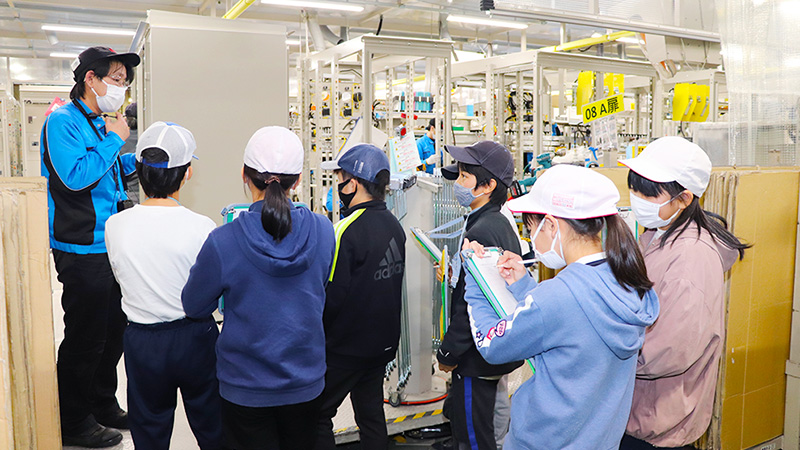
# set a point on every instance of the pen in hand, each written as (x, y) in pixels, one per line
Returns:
(525, 262)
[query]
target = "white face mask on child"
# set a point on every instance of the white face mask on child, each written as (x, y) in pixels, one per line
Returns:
(647, 213)
(550, 258)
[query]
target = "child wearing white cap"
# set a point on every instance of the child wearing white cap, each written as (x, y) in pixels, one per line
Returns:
(271, 264)
(687, 251)
(151, 248)
(583, 329)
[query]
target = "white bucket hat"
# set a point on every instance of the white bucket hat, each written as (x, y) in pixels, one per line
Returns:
(569, 192)
(673, 158)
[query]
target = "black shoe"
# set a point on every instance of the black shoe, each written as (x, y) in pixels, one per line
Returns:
(95, 437)
(117, 418)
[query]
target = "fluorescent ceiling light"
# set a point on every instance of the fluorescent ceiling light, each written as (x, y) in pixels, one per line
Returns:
(89, 30)
(63, 55)
(313, 5)
(487, 22)
(293, 42)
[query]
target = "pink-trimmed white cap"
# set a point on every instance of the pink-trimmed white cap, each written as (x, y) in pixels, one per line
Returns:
(673, 158)
(569, 192)
(275, 150)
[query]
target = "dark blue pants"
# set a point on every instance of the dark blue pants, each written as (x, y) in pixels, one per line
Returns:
(162, 358)
(285, 427)
(470, 408)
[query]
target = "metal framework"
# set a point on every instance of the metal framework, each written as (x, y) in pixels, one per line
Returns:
(365, 65)
(371, 55)
(530, 66)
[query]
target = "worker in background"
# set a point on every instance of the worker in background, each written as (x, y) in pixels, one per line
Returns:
(364, 296)
(482, 175)
(85, 173)
(583, 329)
(271, 264)
(130, 147)
(426, 146)
(687, 252)
(164, 350)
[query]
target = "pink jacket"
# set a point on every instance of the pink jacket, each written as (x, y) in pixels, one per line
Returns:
(678, 365)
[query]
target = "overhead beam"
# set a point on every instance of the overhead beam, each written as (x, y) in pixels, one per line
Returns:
(604, 21)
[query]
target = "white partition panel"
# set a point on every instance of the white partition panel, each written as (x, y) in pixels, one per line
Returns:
(222, 80)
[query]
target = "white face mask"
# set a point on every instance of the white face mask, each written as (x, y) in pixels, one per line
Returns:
(550, 258)
(113, 100)
(647, 213)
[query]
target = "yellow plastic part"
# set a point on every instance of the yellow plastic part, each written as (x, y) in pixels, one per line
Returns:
(585, 87)
(614, 83)
(682, 102)
(703, 108)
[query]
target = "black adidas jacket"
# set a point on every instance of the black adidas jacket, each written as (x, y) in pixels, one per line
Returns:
(364, 293)
(490, 228)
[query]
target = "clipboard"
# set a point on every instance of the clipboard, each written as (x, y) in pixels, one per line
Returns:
(484, 271)
(427, 244)
(444, 313)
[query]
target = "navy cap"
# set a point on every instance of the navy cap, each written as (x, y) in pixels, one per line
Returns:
(490, 155)
(364, 161)
(93, 54)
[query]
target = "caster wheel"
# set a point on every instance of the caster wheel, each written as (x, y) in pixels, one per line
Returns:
(394, 399)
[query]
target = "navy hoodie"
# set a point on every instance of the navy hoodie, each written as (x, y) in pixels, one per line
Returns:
(271, 350)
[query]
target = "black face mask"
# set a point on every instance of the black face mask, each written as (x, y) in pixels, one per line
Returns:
(346, 198)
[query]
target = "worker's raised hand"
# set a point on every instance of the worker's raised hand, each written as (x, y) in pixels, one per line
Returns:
(511, 268)
(118, 126)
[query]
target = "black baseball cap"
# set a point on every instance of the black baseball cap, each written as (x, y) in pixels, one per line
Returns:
(93, 54)
(490, 155)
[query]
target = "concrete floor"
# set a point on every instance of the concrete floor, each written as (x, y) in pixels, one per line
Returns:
(183, 439)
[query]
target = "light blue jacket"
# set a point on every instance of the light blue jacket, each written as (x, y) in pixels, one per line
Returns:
(84, 178)
(583, 331)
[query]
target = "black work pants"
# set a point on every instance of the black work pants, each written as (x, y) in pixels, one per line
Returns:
(92, 345)
(162, 358)
(365, 387)
(470, 406)
(287, 427)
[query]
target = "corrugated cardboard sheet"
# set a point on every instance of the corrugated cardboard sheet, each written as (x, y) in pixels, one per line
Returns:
(28, 393)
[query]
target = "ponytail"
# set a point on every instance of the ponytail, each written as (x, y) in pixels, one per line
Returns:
(276, 213)
(625, 257)
(622, 251)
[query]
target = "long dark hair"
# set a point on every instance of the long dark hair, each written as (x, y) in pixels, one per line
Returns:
(715, 224)
(622, 252)
(276, 214)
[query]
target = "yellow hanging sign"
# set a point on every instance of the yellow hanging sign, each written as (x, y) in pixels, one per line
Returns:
(603, 108)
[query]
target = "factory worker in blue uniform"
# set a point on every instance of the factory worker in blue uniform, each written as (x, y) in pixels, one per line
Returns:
(85, 174)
